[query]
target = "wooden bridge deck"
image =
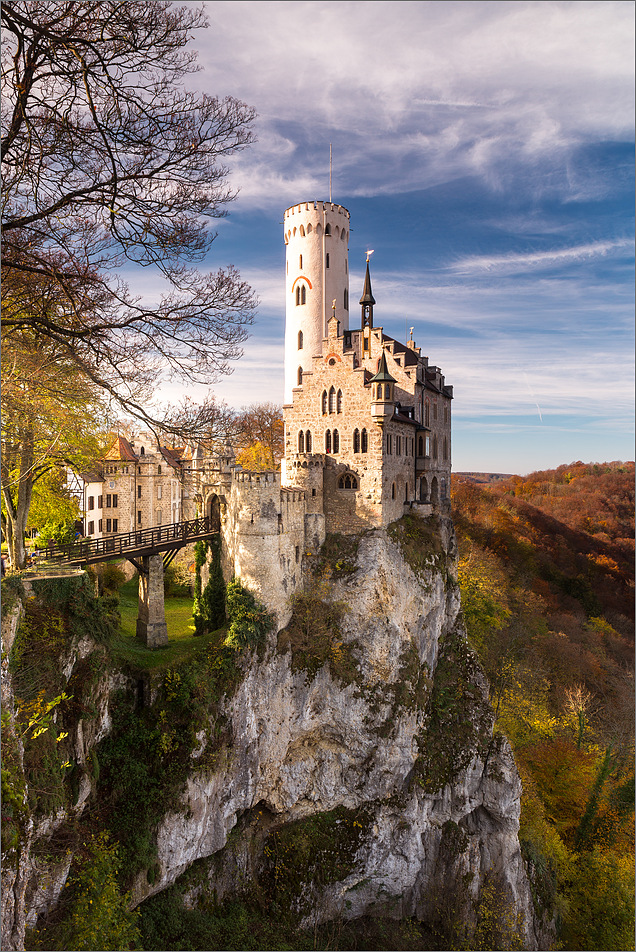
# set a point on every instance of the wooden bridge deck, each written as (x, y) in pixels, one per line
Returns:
(128, 545)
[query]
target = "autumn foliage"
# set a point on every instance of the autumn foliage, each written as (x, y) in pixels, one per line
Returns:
(547, 579)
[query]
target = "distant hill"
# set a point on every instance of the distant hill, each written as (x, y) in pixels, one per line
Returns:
(484, 478)
(546, 572)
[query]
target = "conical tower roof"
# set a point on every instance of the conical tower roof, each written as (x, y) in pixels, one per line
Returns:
(383, 375)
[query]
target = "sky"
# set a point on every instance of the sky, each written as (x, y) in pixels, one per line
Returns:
(485, 151)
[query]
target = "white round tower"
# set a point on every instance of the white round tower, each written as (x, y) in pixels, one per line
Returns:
(317, 274)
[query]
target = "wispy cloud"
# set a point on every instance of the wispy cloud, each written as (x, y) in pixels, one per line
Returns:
(539, 259)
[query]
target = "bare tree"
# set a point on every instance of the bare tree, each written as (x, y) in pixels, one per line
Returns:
(107, 158)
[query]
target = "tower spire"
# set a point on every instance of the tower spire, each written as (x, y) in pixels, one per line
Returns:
(367, 300)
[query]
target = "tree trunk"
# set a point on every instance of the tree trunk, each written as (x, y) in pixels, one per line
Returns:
(18, 503)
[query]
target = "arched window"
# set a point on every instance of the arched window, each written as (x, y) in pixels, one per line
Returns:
(387, 391)
(332, 400)
(427, 414)
(339, 402)
(420, 446)
(297, 295)
(300, 340)
(308, 441)
(348, 481)
(336, 441)
(300, 376)
(434, 409)
(365, 442)
(142, 451)
(328, 441)
(301, 442)
(309, 229)
(327, 229)
(346, 300)
(356, 441)
(302, 234)
(443, 488)
(434, 447)
(324, 401)
(303, 294)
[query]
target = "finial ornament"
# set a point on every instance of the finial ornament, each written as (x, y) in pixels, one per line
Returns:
(333, 307)
(411, 329)
(369, 253)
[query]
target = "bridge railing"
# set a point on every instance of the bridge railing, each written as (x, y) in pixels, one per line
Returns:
(126, 543)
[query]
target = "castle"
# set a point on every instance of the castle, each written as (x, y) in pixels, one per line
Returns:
(367, 424)
(367, 433)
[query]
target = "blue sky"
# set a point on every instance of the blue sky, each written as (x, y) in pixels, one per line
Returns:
(486, 152)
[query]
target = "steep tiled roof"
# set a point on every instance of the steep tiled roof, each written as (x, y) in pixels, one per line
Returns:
(121, 450)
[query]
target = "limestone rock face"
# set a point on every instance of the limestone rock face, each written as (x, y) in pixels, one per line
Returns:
(307, 743)
(367, 710)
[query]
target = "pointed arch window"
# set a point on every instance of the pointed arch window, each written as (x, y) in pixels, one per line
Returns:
(420, 446)
(324, 401)
(301, 294)
(339, 402)
(434, 447)
(328, 441)
(348, 481)
(302, 233)
(300, 376)
(308, 441)
(332, 400)
(365, 441)
(356, 441)
(327, 229)
(336, 441)
(301, 442)
(300, 340)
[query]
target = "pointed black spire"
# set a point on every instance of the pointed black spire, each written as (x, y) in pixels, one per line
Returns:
(367, 300)
(367, 295)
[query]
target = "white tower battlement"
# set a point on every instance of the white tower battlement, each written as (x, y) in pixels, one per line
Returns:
(317, 274)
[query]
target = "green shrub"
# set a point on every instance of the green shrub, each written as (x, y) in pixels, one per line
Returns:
(112, 577)
(249, 619)
(176, 581)
(97, 912)
(209, 605)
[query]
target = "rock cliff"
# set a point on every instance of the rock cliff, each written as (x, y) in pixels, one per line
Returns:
(347, 768)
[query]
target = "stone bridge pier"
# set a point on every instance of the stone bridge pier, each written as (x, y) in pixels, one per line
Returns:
(151, 619)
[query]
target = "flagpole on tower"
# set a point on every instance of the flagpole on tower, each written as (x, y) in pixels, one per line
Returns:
(330, 172)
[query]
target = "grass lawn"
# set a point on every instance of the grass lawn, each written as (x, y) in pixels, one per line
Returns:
(181, 637)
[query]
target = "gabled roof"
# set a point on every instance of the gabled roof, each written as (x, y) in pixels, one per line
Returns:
(171, 456)
(121, 450)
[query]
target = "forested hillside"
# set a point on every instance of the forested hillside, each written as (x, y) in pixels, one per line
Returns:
(547, 579)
